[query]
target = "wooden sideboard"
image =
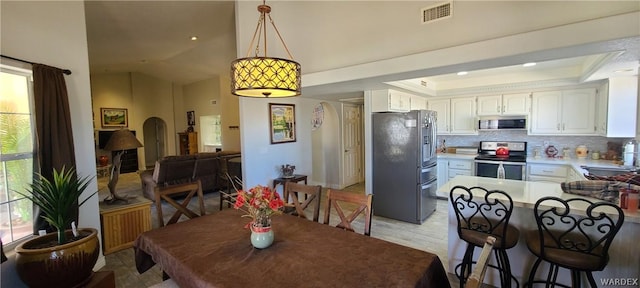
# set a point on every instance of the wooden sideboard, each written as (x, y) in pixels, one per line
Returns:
(123, 222)
(188, 143)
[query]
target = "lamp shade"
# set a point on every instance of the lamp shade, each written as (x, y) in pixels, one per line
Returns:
(122, 139)
(265, 77)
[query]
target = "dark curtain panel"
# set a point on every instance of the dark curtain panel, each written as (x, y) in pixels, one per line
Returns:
(53, 129)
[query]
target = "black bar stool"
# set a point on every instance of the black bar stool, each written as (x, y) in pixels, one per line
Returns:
(479, 219)
(575, 242)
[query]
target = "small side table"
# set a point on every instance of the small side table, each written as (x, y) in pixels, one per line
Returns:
(296, 178)
(123, 222)
(282, 180)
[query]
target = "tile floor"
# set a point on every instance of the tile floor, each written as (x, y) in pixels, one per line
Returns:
(431, 236)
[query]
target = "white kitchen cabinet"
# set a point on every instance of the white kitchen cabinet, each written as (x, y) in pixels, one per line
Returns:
(546, 173)
(507, 104)
(460, 167)
(489, 105)
(390, 101)
(515, 104)
(616, 113)
(450, 168)
(443, 172)
(442, 108)
(463, 116)
(456, 116)
(418, 102)
(567, 112)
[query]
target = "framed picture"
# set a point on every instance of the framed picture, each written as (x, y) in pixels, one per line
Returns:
(191, 118)
(282, 123)
(114, 117)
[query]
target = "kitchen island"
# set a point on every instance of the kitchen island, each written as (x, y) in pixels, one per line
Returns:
(624, 252)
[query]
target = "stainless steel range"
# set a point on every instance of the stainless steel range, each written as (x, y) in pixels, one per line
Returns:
(512, 155)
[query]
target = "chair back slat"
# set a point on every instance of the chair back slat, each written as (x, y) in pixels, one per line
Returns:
(335, 198)
(293, 192)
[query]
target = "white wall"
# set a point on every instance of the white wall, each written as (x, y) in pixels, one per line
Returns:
(58, 39)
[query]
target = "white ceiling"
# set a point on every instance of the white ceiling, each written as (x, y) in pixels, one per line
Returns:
(136, 37)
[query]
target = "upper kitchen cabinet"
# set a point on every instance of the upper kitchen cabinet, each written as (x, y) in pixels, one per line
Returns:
(616, 113)
(443, 111)
(390, 101)
(567, 112)
(418, 102)
(507, 104)
(455, 115)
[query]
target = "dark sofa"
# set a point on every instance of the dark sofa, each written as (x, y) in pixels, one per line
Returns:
(209, 168)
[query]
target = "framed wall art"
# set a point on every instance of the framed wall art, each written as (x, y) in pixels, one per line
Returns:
(191, 118)
(282, 123)
(114, 117)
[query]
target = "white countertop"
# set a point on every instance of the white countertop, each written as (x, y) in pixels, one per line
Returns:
(573, 162)
(524, 193)
(456, 156)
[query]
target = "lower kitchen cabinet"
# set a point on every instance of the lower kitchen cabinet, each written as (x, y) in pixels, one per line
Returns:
(546, 173)
(450, 168)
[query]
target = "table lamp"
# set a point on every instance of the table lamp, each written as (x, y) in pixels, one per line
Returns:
(121, 141)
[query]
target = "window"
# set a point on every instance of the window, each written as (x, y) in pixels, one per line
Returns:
(16, 152)
(211, 131)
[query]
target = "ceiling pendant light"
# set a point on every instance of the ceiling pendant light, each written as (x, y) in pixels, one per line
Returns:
(263, 76)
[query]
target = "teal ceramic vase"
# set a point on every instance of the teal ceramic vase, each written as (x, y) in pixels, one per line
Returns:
(261, 237)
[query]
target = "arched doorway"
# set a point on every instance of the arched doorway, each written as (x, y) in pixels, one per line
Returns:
(155, 135)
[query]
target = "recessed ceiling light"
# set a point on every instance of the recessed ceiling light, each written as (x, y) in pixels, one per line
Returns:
(623, 70)
(461, 73)
(529, 64)
(194, 38)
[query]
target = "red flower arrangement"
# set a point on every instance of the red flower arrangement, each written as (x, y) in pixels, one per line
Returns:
(259, 203)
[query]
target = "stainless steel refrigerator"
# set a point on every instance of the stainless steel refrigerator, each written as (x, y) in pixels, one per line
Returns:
(404, 165)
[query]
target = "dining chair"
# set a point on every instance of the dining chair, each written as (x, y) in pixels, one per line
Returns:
(166, 193)
(234, 184)
(487, 214)
(362, 206)
(293, 193)
(477, 276)
(574, 240)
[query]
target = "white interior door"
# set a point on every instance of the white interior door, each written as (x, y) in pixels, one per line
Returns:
(352, 139)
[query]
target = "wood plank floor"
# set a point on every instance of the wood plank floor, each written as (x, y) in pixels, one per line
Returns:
(431, 236)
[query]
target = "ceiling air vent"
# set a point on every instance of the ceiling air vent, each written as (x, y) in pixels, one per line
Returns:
(437, 12)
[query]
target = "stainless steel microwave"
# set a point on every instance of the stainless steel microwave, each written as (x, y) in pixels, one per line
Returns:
(502, 123)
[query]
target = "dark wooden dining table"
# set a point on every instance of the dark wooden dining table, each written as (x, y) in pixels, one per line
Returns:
(215, 251)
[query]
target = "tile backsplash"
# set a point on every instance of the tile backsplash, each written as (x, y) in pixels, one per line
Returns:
(593, 143)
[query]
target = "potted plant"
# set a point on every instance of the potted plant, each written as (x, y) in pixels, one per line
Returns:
(65, 258)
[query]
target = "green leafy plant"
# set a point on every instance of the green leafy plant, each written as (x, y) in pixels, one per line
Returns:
(57, 197)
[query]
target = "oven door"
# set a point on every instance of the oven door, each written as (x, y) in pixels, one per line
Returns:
(513, 170)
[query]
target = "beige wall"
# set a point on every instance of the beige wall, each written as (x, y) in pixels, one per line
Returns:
(198, 97)
(231, 116)
(143, 97)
